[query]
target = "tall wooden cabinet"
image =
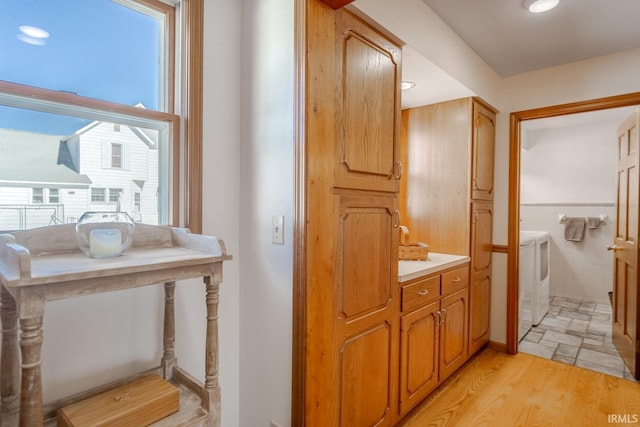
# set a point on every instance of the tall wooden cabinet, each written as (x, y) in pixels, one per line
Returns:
(448, 151)
(351, 295)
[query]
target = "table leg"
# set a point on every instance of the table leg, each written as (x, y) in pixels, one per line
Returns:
(169, 360)
(211, 385)
(9, 361)
(31, 412)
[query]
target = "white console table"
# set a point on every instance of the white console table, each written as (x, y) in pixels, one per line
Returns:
(45, 264)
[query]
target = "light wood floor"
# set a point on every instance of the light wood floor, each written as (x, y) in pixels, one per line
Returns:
(495, 389)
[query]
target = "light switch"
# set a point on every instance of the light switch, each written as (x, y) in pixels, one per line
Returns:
(277, 229)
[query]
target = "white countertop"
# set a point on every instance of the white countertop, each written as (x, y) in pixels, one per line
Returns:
(408, 270)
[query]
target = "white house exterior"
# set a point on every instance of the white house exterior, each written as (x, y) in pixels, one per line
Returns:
(47, 179)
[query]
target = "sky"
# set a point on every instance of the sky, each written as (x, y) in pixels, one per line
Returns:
(95, 48)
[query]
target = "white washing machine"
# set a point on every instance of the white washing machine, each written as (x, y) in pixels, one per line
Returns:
(526, 281)
(540, 296)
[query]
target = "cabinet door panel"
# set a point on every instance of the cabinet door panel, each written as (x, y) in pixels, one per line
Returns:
(480, 291)
(418, 355)
(368, 107)
(483, 152)
(453, 332)
(365, 378)
(367, 279)
(479, 319)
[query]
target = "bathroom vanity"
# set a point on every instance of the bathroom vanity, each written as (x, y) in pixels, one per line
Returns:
(434, 323)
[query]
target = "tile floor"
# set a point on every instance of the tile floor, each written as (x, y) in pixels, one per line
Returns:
(577, 333)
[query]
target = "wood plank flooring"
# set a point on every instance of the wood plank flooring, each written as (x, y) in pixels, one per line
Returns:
(498, 390)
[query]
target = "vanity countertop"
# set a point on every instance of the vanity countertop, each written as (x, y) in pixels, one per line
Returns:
(435, 262)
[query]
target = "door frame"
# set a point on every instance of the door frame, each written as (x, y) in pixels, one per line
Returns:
(513, 240)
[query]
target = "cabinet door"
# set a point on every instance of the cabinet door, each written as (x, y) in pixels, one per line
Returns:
(418, 355)
(483, 152)
(480, 287)
(366, 320)
(454, 338)
(367, 108)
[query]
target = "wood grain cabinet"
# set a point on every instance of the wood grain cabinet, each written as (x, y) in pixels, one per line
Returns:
(349, 357)
(448, 150)
(433, 333)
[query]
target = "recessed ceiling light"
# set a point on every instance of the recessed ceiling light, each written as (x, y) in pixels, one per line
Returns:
(35, 32)
(407, 85)
(539, 6)
(32, 35)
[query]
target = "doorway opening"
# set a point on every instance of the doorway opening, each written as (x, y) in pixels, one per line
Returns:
(515, 192)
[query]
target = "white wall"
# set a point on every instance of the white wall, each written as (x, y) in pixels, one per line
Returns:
(571, 170)
(571, 164)
(223, 33)
(267, 188)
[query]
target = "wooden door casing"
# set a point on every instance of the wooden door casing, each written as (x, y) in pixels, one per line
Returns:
(625, 281)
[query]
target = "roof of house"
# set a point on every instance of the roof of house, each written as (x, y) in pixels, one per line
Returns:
(36, 158)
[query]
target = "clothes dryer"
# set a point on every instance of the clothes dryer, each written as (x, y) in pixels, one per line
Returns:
(526, 283)
(540, 297)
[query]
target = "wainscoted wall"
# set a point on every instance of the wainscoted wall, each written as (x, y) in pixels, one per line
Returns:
(579, 270)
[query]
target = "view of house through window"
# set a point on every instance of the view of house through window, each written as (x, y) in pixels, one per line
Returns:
(99, 134)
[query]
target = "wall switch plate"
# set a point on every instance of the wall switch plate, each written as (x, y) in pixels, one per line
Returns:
(277, 229)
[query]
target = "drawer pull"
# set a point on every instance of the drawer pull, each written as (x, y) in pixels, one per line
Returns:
(444, 315)
(456, 280)
(423, 292)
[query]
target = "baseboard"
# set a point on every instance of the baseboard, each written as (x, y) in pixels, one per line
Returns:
(497, 346)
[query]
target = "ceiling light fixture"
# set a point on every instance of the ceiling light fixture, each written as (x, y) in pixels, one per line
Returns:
(407, 85)
(539, 6)
(32, 35)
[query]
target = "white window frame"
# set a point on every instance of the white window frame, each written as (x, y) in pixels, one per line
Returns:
(53, 193)
(40, 196)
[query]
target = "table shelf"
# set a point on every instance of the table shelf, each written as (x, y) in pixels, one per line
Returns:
(45, 264)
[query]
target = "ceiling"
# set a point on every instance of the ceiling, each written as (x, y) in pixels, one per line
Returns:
(512, 40)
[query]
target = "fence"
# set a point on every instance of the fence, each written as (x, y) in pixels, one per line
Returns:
(24, 217)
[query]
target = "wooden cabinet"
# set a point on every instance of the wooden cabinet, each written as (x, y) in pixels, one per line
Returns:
(368, 112)
(433, 333)
(480, 287)
(347, 351)
(448, 151)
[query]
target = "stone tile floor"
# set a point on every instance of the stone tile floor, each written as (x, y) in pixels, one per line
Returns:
(577, 333)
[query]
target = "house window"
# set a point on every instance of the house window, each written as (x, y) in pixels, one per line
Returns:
(116, 155)
(47, 89)
(136, 202)
(37, 195)
(54, 195)
(114, 194)
(98, 194)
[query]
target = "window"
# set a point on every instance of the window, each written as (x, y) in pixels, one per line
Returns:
(38, 195)
(136, 202)
(54, 195)
(98, 194)
(114, 194)
(116, 155)
(48, 89)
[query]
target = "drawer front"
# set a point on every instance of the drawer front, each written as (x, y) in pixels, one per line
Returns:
(419, 293)
(455, 280)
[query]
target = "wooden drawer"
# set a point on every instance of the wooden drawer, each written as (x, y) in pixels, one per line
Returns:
(419, 293)
(455, 280)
